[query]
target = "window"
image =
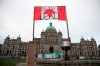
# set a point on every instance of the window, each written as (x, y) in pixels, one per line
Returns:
(72, 48)
(13, 47)
(96, 52)
(85, 53)
(41, 51)
(41, 46)
(91, 48)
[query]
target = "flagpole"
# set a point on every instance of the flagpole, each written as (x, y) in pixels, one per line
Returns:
(33, 29)
(67, 29)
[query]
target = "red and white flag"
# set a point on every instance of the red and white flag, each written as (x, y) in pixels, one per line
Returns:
(50, 12)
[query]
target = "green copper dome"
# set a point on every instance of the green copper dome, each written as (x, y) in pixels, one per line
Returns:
(50, 27)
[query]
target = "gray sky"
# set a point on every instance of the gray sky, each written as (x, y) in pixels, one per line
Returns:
(16, 18)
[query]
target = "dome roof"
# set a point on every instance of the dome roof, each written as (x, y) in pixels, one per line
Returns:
(50, 27)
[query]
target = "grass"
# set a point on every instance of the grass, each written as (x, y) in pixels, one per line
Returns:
(10, 62)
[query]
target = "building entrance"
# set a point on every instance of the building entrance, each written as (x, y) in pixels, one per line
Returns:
(51, 50)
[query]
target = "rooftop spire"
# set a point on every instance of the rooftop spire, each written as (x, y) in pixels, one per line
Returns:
(50, 24)
(59, 30)
(19, 37)
(82, 39)
(8, 37)
(92, 39)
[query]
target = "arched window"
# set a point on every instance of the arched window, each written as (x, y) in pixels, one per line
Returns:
(42, 52)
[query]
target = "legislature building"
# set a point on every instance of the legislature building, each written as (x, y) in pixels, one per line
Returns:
(51, 41)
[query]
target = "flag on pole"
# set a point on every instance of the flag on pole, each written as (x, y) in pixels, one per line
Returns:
(50, 12)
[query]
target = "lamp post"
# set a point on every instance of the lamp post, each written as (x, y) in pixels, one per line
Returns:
(65, 48)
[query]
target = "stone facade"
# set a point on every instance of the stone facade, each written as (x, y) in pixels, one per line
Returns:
(99, 49)
(50, 41)
(87, 48)
(14, 47)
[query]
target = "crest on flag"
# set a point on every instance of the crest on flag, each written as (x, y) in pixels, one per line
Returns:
(49, 12)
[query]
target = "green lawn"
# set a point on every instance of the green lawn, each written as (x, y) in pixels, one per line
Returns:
(10, 62)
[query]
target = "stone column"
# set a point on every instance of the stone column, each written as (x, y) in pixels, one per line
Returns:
(31, 54)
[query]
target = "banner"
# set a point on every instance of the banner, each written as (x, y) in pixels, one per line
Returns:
(50, 12)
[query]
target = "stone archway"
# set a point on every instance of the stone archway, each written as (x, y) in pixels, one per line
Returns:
(51, 49)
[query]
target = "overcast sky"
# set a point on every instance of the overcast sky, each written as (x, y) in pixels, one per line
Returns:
(16, 18)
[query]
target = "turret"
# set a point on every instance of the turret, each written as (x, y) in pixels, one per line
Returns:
(42, 34)
(82, 39)
(60, 33)
(92, 39)
(19, 38)
(6, 41)
(59, 36)
(8, 38)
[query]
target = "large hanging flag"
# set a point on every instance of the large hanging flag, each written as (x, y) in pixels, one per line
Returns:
(50, 12)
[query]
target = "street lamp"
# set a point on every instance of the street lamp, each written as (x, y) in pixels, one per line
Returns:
(65, 48)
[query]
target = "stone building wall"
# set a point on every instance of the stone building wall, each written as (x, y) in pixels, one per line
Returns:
(51, 40)
(86, 48)
(14, 47)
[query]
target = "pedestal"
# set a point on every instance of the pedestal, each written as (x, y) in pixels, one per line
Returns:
(31, 54)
